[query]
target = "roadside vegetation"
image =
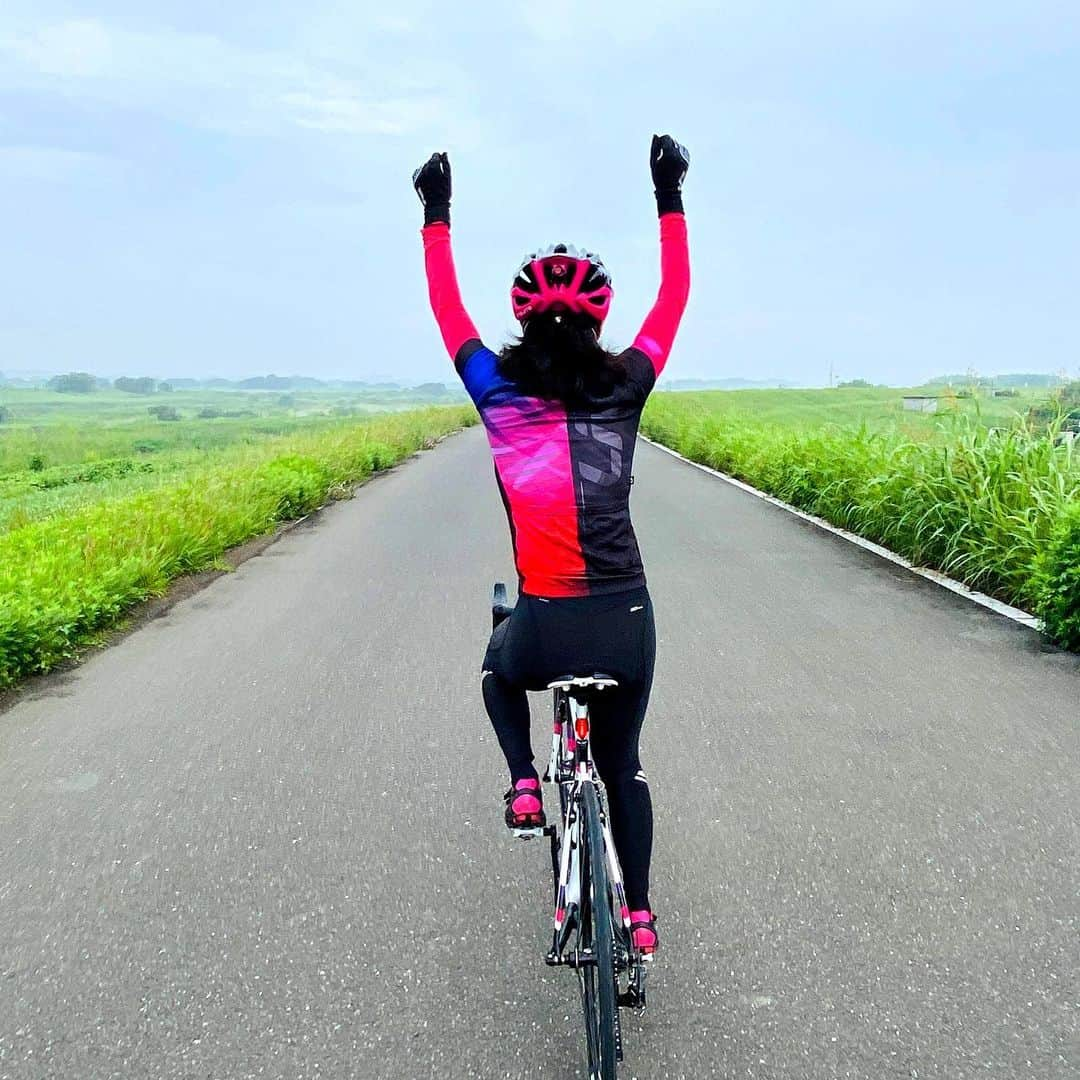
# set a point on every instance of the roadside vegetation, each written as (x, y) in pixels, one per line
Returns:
(879, 408)
(98, 514)
(40, 427)
(987, 491)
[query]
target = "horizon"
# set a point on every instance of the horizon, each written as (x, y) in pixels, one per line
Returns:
(667, 380)
(888, 193)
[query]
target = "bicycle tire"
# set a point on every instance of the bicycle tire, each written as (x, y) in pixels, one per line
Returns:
(599, 986)
(587, 973)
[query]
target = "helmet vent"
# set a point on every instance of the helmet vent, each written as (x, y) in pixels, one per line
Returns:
(561, 278)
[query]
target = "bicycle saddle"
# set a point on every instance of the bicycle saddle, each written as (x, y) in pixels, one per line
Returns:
(584, 687)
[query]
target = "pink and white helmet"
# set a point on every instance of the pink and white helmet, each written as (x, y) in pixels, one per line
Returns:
(561, 278)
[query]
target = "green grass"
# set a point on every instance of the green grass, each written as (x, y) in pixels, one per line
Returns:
(877, 407)
(64, 429)
(993, 506)
(1058, 580)
(82, 543)
(61, 452)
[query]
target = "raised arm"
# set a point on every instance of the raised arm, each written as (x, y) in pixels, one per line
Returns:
(669, 162)
(455, 325)
(432, 183)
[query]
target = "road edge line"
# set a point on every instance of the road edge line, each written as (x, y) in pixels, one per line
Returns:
(1017, 615)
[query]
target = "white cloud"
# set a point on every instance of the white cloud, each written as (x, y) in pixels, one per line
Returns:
(602, 24)
(355, 116)
(395, 24)
(48, 164)
(208, 82)
(76, 48)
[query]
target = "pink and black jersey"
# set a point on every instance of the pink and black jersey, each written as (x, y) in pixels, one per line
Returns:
(564, 473)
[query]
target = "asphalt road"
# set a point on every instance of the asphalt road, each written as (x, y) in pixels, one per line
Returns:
(262, 836)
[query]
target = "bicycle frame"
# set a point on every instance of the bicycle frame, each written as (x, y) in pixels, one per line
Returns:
(570, 768)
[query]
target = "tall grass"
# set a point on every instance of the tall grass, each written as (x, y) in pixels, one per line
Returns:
(65, 578)
(1058, 581)
(988, 507)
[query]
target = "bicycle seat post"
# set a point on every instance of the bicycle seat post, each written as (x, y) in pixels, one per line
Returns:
(577, 691)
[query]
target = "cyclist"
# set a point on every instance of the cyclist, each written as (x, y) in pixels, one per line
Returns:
(562, 414)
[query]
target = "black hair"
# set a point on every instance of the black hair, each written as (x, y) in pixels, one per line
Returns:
(559, 358)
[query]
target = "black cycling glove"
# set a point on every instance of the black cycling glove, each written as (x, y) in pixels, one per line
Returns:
(432, 183)
(669, 161)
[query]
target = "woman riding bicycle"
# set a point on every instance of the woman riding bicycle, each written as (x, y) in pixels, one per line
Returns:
(562, 414)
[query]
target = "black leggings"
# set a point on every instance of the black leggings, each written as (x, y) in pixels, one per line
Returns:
(545, 639)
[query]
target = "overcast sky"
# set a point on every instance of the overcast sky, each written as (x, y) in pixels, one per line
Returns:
(194, 188)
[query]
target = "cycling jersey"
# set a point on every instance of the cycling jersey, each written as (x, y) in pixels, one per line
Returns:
(564, 473)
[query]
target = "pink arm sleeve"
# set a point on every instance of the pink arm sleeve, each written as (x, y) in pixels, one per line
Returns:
(657, 333)
(454, 323)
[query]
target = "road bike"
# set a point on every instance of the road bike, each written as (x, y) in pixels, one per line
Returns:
(592, 920)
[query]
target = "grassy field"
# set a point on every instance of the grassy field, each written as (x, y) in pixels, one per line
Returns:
(65, 429)
(879, 408)
(974, 491)
(59, 452)
(102, 505)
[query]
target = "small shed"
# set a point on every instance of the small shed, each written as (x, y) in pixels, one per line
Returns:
(918, 403)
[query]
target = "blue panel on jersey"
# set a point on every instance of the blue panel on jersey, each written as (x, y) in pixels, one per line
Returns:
(481, 377)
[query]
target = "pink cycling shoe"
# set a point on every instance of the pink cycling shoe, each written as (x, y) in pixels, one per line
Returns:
(524, 805)
(643, 931)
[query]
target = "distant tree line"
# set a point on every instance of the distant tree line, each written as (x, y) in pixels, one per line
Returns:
(82, 382)
(282, 382)
(144, 385)
(1014, 379)
(725, 384)
(75, 382)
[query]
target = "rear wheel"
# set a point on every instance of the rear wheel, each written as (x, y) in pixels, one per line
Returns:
(599, 996)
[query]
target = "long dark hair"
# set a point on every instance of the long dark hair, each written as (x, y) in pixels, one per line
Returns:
(559, 358)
